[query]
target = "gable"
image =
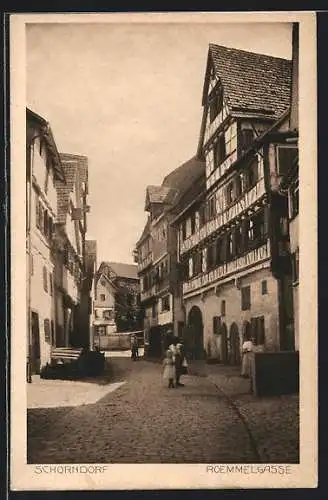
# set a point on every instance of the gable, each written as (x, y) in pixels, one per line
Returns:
(253, 83)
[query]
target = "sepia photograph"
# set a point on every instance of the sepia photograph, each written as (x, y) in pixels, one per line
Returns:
(162, 248)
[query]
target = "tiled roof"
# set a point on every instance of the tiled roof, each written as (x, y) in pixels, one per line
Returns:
(145, 231)
(157, 194)
(174, 186)
(47, 134)
(252, 83)
(73, 165)
(121, 269)
(183, 177)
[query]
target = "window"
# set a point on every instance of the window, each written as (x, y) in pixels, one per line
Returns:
(253, 173)
(221, 250)
(216, 325)
(45, 223)
(258, 330)
(184, 230)
(108, 314)
(153, 310)
(230, 193)
(191, 267)
(102, 297)
(286, 156)
(238, 234)
(166, 303)
(202, 215)
(245, 298)
(294, 199)
(193, 223)
(50, 227)
(45, 279)
(246, 138)
(101, 330)
(41, 217)
(52, 330)
(51, 285)
(211, 208)
(230, 137)
(264, 286)
(216, 104)
(211, 257)
(219, 150)
(295, 266)
(37, 213)
(223, 307)
(238, 186)
(47, 330)
(230, 246)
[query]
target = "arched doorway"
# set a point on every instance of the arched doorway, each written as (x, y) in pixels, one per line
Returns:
(195, 336)
(235, 358)
(224, 343)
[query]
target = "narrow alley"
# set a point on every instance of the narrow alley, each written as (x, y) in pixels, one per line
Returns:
(144, 422)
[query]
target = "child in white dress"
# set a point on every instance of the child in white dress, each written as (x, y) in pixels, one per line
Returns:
(169, 369)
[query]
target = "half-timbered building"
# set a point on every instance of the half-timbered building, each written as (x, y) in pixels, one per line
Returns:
(234, 246)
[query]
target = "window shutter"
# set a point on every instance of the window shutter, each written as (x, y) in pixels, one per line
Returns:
(37, 213)
(51, 228)
(266, 220)
(45, 279)
(234, 241)
(41, 217)
(260, 331)
(254, 329)
(244, 235)
(51, 285)
(47, 331)
(224, 243)
(45, 223)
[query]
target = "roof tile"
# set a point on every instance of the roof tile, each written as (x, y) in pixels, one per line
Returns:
(253, 82)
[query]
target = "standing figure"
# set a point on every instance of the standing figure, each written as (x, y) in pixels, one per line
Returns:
(169, 369)
(246, 365)
(178, 356)
(134, 348)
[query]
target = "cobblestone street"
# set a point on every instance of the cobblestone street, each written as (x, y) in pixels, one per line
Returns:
(144, 422)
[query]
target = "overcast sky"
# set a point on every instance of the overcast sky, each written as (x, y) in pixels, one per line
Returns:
(128, 96)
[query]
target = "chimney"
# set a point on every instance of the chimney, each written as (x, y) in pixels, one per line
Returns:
(294, 95)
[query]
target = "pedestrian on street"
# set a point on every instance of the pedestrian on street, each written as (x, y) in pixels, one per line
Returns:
(169, 369)
(134, 348)
(178, 356)
(246, 365)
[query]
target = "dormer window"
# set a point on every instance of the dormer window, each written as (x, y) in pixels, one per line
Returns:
(216, 104)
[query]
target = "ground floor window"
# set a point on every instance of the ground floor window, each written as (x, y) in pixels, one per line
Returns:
(258, 330)
(101, 330)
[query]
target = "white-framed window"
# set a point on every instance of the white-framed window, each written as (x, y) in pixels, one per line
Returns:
(191, 267)
(165, 303)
